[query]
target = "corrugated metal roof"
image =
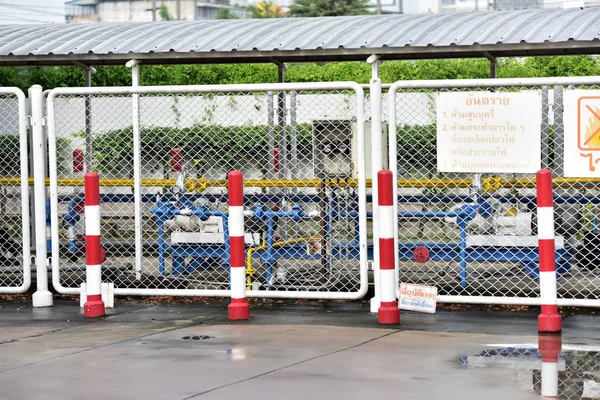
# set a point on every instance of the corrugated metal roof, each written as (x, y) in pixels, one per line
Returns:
(297, 39)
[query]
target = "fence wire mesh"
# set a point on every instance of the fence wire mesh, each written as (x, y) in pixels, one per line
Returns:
(14, 250)
(298, 151)
(493, 252)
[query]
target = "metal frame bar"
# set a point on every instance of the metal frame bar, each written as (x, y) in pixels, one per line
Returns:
(482, 83)
(362, 290)
(24, 163)
(339, 54)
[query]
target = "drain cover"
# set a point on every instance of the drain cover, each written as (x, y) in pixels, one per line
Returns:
(198, 337)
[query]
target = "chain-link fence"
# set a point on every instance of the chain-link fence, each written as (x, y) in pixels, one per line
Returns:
(15, 272)
(466, 155)
(300, 147)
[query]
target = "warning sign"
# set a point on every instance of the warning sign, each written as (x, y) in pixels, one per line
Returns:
(489, 132)
(582, 133)
(417, 298)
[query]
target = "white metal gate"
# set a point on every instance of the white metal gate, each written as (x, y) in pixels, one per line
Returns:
(492, 262)
(163, 153)
(15, 258)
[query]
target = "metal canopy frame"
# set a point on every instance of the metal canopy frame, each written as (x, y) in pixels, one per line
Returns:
(327, 39)
(323, 55)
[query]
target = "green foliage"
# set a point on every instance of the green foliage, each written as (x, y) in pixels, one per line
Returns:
(329, 8)
(164, 13)
(390, 71)
(9, 155)
(10, 161)
(417, 149)
(265, 9)
(225, 13)
(206, 145)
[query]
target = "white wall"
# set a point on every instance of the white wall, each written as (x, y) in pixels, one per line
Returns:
(141, 10)
(421, 6)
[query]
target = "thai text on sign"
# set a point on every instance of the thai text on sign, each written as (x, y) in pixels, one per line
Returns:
(489, 132)
(417, 298)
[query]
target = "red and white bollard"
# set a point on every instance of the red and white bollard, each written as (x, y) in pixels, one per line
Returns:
(388, 312)
(176, 163)
(94, 306)
(238, 308)
(549, 321)
(549, 347)
(78, 170)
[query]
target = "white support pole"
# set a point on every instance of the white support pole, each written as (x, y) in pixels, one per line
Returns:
(376, 166)
(89, 71)
(42, 297)
(137, 173)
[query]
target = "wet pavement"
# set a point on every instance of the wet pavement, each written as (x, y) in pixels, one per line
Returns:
(319, 350)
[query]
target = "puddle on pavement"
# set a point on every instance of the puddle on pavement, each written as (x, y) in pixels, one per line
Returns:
(549, 368)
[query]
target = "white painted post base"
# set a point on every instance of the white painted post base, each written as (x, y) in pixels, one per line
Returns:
(42, 298)
(108, 295)
(375, 303)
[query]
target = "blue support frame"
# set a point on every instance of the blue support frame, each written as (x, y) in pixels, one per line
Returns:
(207, 255)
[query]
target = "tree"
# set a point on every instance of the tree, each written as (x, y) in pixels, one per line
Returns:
(164, 13)
(266, 9)
(225, 13)
(329, 8)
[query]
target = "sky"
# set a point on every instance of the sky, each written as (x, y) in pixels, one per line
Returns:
(31, 11)
(52, 11)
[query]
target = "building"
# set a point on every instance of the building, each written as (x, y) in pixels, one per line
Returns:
(81, 11)
(502, 5)
(434, 6)
(141, 10)
(486, 5)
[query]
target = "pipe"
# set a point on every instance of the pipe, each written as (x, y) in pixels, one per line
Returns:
(200, 184)
(250, 270)
(376, 166)
(26, 203)
(42, 297)
(137, 169)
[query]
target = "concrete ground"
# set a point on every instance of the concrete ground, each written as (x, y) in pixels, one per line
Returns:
(288, 350)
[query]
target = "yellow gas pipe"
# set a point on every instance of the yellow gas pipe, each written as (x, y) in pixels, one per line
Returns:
(250, 270)
(490, 184)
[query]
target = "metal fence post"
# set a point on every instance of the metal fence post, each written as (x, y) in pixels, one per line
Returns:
(176, 164)
(271, 136)
(42, 297)
(545, 127)
(376, 165)
(238, 308)
(78, 172)
(559, 132)
(89, 71)
(137, 172)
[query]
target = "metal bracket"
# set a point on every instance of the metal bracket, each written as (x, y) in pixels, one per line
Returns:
(279, 64)
(132, 63)
(84, 66)
(490, 57)
(373, 58)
